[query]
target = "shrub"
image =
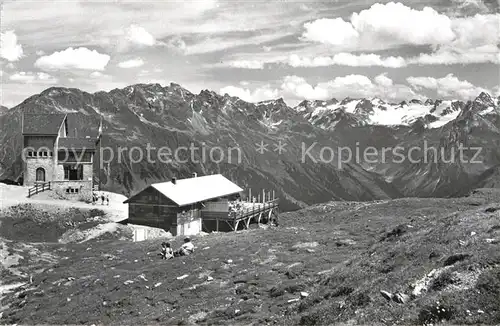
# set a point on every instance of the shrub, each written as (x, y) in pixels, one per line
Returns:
(395, 233)
(442, 281)
(488, 285)
(455, 258)
(435, 313)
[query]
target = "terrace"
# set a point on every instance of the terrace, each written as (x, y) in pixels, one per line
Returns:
(237, 213)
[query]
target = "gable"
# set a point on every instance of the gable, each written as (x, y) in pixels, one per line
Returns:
(150, 195)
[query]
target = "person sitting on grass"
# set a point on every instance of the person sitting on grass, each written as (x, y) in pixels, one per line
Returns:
(186, 249)
(166, 251)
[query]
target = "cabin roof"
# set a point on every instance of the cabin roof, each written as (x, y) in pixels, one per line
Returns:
(193, 190)
(42, 124)
(77, 143)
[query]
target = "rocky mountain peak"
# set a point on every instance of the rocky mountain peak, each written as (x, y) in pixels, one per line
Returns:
(178, 89)
(346, 101)
(485, 100)
(364, 107)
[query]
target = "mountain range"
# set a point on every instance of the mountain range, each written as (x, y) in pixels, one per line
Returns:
(172, 116)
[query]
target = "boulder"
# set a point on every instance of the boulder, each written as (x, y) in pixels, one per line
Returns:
(386, 295)
(400, 298)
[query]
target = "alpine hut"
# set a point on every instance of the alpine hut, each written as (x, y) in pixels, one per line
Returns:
(178, 205)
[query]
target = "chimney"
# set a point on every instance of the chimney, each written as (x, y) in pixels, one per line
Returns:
(174, 179)
(195, 174)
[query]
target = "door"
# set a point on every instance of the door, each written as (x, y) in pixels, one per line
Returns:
(40, 175)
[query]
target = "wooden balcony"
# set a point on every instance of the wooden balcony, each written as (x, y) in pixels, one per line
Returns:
(240, 213)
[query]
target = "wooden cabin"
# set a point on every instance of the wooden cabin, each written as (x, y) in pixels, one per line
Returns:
(178, 206)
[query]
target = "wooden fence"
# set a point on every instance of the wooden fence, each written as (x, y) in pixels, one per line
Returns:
(38, 188)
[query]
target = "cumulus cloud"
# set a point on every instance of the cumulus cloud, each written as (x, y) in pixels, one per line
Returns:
(386, 24)
(403, 25)
(99, 75)
(469, 39)
(259, 94)
(340, 59)
(298, 87)
(468, 7)
(477, 39)
(10, 49)
(133, 63)
(79, 58)
(347, 86)
(246, 64)
(330, 31)
(477, 30)
(383, 80)
(347, 59)
(138, 35)
(496, 91)
(31, 78)
(452, 40)
(448, 56)
(448, 86)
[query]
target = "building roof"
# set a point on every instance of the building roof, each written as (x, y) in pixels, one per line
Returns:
(42, 124)
(193, 190)
(81, 125)
(77, 143)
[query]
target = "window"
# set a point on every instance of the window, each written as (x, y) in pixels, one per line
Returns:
(30, 154)
(40, 175)
(34, 154)
(44, 154)
(73, 172)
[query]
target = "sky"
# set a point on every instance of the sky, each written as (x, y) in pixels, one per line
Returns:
(254, 49)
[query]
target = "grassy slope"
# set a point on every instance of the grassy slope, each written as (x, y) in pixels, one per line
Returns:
(342, 254)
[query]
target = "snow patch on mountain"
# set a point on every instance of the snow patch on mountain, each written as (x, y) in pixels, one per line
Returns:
(375, 111)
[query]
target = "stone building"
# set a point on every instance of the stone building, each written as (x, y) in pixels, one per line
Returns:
(60, 149)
